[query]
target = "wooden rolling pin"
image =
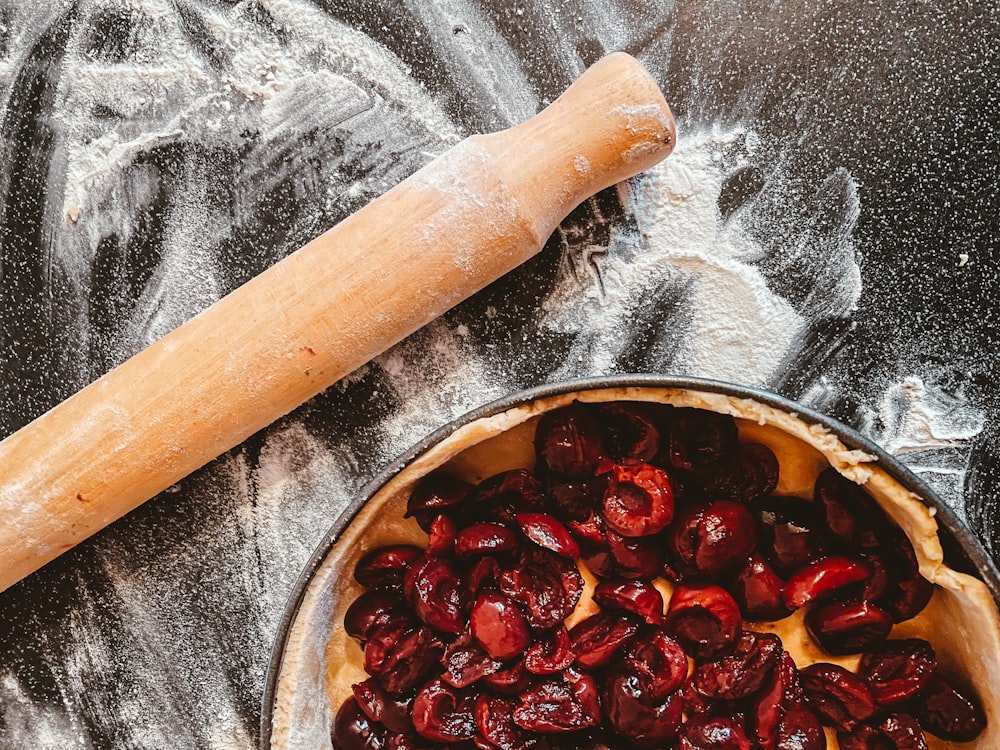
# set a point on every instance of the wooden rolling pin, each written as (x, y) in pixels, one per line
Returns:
(476, 212)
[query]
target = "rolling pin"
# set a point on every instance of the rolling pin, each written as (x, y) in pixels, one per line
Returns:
(477, 211)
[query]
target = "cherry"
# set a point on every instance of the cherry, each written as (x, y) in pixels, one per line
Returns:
(443, 714)
(632, 713)
(948, 712)
(378, 705)
(791, 532)
(699, 440)
(779, 693)
(758, 591)
(800, 729)
(751, 473)
(899, 669)
(437, 596)
(559, 704)
(707, 732)
(894, 731)
(484, 539)
(661, 661)
(441, 537)
(575, 499)
(704, 618)
(466, 662)
(499, 625)
(851, 515)
(848, 627)
(601, 637)
(568, 441)
(640, 597)
(639, 558)
(825, 578)
(547, 532)
(494, 722)
(638, 500)
(715, 539)
(504, 495)
(631, 434)
(385, 567)
(551, 653)
(842, 699)
(545, 585)
(509, 681)
(401, 655)
(354, 730)
(742, 673)
(372, 609)
(433, 494)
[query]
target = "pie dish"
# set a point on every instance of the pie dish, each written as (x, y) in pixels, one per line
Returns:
(315, 662)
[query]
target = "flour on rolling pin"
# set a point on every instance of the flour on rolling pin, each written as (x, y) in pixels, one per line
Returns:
(458, 224)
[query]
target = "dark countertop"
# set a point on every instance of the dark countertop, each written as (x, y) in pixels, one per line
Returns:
(158, 153)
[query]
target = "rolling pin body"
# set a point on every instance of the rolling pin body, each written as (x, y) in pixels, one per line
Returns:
(461, 222)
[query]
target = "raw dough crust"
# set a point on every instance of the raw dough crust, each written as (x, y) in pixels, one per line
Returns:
(321, 662)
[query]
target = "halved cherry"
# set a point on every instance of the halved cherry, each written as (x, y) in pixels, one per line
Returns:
(487, 538)
(385, 567)
(545, 585)
(779, 693)
(699, 439)
(499, 625)
(713, 540)
(709, 732)
(638, 500)
(600, 638)
(639, 558)
(632, 713)
(551, 653)
(443, 714)
(511, 680)
(897, 670)
(824, 578)
(851, 515)
(559, 704)
(842, 699)
(354, 730)
(896, 731)
(758, 590)
(665, 663)
(800, 729)
(504, 495)
(640, 597)
(378, 705)
(437, 594)
(402, 655)
(792, 533)
(441, 537)
(704, 618)
(844, 628)
(751, 473)
(465, 662)
(631, 434)
(495, 725)
(547, 532)
(742, 673)
(949, 712)
(568, 441)
(372, 609)
(433, 495)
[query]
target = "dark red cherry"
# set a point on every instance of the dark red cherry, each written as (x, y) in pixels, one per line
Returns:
(484, 539)
(751, 473)
(441, 537)
(713, 540)
(742, 673)
(825, 578)
(434, 494)
(385, 567)
(600, 638)
(638, 500)
(402, 655)
(842, 699)
(509, 681)
(378, 705)
(661, 661)
(568, 441)
(504, 495)
(545, 585)
(758, 591)
(639, 558)
(547, 532)
(465, 662)
(631, 434)
(443, 714)
(699, 440)
(551, 653)
(353, 730)
(640, 597)
(851, 515)
(844, 628)
(499, 625)
(495, 724)
(559, 704)
(372, 609)
(897, 670)
(800, 729)
(632, 714)
(892, 732)
(708, 732)
(948, 711)
(779, 693)
(437, 595)
(704, 618)
(792, 533)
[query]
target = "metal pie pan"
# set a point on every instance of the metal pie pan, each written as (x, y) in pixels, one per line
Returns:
(309, 630)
